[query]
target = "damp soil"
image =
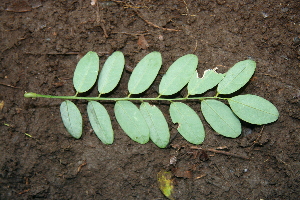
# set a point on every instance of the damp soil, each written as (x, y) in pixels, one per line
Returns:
(41, 42)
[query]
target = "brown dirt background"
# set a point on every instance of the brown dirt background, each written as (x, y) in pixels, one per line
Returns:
(39, 52)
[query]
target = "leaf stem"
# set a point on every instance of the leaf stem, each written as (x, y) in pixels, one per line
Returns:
(34, 95)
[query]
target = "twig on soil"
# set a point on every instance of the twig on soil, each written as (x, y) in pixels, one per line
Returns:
(186, 7)
(52, 53)
(80, 166)
(67, 53)
(272, 76)
(256, 141)
(152, 24)
(143, 18)
(100, 21)
(9, 85)
(187, 10)
(24, 191)
(221, 152)
(196, 46)
(133, 34)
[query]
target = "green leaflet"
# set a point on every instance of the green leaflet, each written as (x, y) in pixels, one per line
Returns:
(178, 75)
(144, 73)
(132, 121)
(200, 85)
(71, 118)
(253, 109)
(221, 118)
(111, 72)
(189, 123)
(159, 130)
(100, 122)
(237, 77)
(86, 72)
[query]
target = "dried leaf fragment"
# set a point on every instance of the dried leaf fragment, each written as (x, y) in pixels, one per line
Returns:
(142, 42)
(19, 6)
(165, 183)
(1, 105)
(24, 6)
(181, 173)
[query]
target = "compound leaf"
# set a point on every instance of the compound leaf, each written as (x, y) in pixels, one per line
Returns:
(178, 75)
(100, 122)
(111, 72)
(71, 118)
(237, 77)
(132, 121)
(86, 72)
(144, 73)
(200, 85)
(159, 130)
(189, 123)
(221, 118)
(253, 109)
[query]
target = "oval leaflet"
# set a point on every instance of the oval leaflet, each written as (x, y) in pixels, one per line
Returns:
(158, 126)
(189, 123)
(71, 118)
(200, 85)
(178, 75)
(237, 77)
(253, 109)
(100, 122)
(132, 121)
(144, 73)
(86, 72)
(221, 118)
(111, 72)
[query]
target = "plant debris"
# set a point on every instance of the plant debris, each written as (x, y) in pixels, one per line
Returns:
(142, 42)
(23, 6)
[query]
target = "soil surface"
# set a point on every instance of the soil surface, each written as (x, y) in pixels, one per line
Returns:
(41, 42)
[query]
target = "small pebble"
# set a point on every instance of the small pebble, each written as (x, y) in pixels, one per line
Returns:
(173, 160)
(265, 15)
(247, 131)
(221, 2)
(296, 40)
(161, 38)
(93, 2)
